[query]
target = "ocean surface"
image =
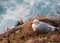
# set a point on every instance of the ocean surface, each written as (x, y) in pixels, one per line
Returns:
(13, 10)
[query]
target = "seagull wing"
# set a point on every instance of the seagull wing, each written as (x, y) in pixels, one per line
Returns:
(42, 28)
(49, 27)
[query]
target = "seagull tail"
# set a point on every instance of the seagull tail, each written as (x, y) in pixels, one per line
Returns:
(57, 28)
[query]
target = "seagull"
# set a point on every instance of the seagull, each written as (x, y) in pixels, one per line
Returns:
(42, 27)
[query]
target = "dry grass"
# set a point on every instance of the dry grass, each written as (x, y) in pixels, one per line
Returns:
(27, 35)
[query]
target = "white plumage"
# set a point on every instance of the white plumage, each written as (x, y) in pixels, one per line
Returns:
(42, 27)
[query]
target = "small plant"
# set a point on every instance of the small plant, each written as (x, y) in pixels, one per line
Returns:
(20, 23)
(7, 29)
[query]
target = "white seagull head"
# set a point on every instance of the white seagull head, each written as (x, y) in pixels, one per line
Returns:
(36, 21)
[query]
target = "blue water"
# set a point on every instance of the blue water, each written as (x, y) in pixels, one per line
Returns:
(13, 10)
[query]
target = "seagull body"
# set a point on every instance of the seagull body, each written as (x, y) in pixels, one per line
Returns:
(42, 27)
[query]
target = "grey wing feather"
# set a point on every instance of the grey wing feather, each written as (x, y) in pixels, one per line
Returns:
(42, 28)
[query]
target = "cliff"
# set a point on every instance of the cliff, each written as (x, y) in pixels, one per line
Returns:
(23, 33)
